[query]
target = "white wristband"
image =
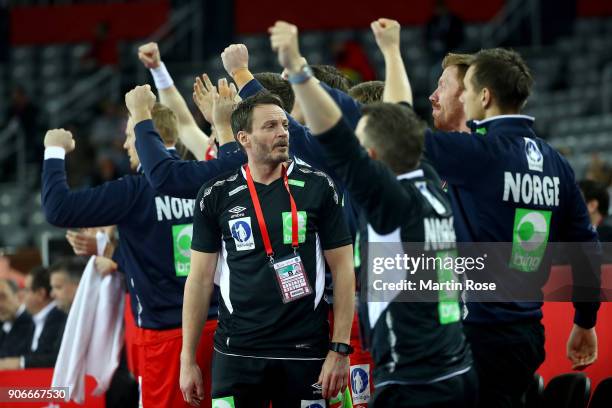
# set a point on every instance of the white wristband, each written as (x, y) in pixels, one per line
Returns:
(162, 77)
(55, 152)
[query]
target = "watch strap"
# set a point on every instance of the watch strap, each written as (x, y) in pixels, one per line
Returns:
(303, 75)
(341, 348)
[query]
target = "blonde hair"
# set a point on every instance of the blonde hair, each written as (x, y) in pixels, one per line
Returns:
(166, 123)
(461, 61)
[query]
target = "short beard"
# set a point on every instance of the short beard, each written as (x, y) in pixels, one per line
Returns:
(449, 123)
(277, 158)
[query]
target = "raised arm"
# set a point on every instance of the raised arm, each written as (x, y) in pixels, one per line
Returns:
(236, 63)
(91, 207)
(189, 132)
(320, 111)
(166, 174)
(397, 86)
(235, 59)
(385, 201)
(216, 106)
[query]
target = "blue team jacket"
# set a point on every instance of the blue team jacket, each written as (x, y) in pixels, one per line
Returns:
(154, 230)
(180, 178)
(499, 167)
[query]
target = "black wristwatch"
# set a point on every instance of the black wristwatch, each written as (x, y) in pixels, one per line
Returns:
(341, 348)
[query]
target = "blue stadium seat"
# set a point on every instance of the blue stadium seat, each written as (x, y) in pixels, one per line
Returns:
(53, 52)
(255, 42)
(51, 70)
(312, 39)
(22, 54)
(79, 50)
(10, 195)
(411, 36)
(22, 71)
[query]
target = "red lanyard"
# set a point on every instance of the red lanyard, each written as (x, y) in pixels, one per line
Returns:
(260, 218)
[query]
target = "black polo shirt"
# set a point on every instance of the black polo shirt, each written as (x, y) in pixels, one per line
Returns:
(253, 320)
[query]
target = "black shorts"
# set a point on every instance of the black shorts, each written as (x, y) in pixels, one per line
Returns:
(255, 382)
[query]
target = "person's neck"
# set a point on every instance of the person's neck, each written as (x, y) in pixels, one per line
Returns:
(596, 219)
(40, 308)
(497, 111)
(18, 312)
(463, 127)
(265, 173)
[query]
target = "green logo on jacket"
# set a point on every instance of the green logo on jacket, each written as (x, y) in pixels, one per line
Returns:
(529, 239)
(181, 238)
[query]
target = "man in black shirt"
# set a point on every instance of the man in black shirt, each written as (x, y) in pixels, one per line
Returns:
(272, 224)
(421, 356)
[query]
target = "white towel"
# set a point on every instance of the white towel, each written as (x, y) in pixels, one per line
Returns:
(93, 336)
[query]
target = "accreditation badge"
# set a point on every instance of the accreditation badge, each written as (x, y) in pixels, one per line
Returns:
(291, 277)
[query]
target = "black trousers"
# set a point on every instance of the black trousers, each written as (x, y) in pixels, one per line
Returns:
(506, 357)
(123, 389)
(456, 392)
(255, 382)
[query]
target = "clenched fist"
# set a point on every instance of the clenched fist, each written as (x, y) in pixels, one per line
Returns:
(387, 34)
(284, 39)
(148, 54)
(235, 57)
(60, 138)
(139, 102)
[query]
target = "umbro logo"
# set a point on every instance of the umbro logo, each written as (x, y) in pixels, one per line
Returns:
(237, 209)
(318, 388)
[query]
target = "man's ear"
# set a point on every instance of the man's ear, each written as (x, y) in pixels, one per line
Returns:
(486, 98)
(243, 138)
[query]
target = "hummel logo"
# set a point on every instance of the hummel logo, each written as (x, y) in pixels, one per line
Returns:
(237, 209)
